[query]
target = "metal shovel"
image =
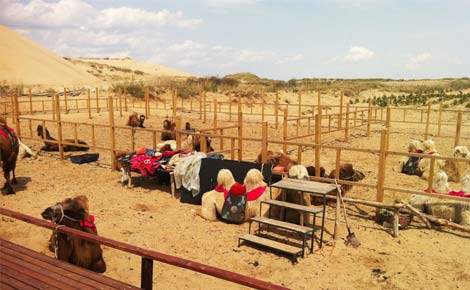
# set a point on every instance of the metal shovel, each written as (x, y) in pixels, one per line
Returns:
(351, 239)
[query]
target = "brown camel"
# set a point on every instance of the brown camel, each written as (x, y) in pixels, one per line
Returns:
(73, 213)
(49, 146)
(136, 120)
(278, 159)
(170, 130)
(9, 147)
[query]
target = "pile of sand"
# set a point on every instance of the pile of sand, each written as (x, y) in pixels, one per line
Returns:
(23, 61)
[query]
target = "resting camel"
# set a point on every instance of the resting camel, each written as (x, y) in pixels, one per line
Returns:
(55, 147)
(193, 141)
(280, 159)
(73, 213)
(256, 190)
(9, 147)
(170, 130)
(136, 121)
(455, 170)
(347, 173)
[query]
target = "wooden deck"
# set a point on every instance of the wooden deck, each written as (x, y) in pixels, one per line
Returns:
(22, 268)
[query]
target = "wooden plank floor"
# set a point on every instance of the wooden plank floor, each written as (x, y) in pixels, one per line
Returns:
(22, 268)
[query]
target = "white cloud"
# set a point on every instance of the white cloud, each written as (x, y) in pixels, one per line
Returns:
(358, 53)
(79, 14)
(414, 61)
(358, 3)
(292, 58)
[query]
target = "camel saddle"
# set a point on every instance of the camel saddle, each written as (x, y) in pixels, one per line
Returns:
(9, 133)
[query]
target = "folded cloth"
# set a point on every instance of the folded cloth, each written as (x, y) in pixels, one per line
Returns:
(4, 133)
(187, 172)
(459, 193)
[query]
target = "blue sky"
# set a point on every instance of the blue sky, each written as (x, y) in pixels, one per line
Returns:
(278, 39)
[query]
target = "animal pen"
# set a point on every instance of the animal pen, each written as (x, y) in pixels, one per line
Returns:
(294, 127)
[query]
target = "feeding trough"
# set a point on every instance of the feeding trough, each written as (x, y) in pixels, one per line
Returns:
(84, 158)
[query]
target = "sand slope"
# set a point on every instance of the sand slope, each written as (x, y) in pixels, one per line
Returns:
(23, 61)
(119, 69)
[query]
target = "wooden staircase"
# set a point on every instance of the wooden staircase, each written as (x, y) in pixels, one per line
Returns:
(268, 242)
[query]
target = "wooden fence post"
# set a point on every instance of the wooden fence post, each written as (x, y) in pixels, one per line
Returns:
(276, 110)
(369, 118)
(264, 143)
(173, 99)
(30, 102)
(200, 107)
(299, 113)
(178, 133)
(230, 107)
(388, 120)
(428, 115)
(97, 101)
(431, 173)
(337, 165)
(439, 120)
(346, 130)
(126, 108)
(284, 131)
(112, 132)
(146, 274)
(59, 127)
(319, 105)
(240, 135)
(215, 116)
(317, 144)
(120, 105)
(54, 110)
(458, 129)
(340, 117)
(262, 108)
(382, 163)
(88, 104)
(93, 138)
(66, 102)
(205, 107)
(16, 104)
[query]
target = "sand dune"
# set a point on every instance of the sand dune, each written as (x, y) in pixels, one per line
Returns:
(117, 69)
(23, 61)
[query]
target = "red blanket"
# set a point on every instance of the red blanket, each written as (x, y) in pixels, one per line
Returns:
(4, 134)
(453, 193)
(251, 195)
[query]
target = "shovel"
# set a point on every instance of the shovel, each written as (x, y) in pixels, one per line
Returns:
(351, 239)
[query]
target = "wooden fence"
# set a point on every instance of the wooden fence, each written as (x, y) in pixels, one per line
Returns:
(148, 256)
(237, 142)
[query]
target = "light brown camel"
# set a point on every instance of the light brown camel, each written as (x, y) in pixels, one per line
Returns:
(49, 146)
(73, 213)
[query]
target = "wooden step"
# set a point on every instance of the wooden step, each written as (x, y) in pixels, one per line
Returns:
(291, 250)
(294, 206)
(281, 224)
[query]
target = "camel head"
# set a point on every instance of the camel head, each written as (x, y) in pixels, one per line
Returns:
(168, 125)
(225, 178)
(68, 212)
(253, 179)
(40, 130)
(461, 151)
(347, 172)
(440, 183)
(298, 172)
(429, 146)
(415, 146)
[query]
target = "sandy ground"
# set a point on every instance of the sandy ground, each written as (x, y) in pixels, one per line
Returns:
(148, 217)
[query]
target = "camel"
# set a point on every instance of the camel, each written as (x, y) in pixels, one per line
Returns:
(455, 170)
(278, 159)
(49, 146)
(425, 163)
(347, 173)
(9, 147)
(73, 213)
(409, 165)
(136, 121)
(213, 201)
(312, 171)
(170, 130)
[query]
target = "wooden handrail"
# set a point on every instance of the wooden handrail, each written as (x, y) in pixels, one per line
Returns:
(149, 254)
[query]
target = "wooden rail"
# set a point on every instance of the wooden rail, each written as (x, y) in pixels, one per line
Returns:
(148, 256)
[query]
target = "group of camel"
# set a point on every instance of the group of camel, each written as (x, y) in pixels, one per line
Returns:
(444, 170)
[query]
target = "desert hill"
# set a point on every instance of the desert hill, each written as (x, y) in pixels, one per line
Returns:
(24, 62)
(124, 69)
